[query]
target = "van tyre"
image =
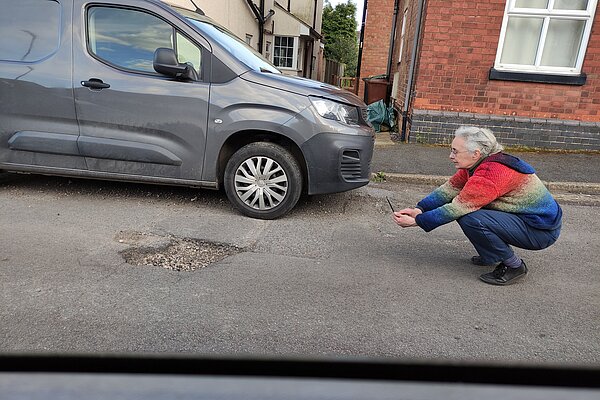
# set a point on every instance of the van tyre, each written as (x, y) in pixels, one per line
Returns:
(263, 180)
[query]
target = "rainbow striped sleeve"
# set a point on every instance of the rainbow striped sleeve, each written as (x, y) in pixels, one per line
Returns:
(445, 193)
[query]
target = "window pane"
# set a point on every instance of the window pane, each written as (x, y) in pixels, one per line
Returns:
(188, 52)
(562, 43)
(531, 4)
(29, 30)
(521, 40)
(127, 38)
(284, 51)
(571, 4)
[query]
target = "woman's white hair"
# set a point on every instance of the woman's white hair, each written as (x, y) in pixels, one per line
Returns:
(481, 139)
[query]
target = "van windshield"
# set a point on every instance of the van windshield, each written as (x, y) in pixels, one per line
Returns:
(231, 42)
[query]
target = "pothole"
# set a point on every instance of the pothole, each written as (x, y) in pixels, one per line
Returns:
(179, 254)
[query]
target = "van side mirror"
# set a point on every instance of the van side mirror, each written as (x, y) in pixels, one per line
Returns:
(165, 62)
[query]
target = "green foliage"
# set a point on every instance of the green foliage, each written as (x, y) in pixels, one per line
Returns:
(379, 177)
(339, 32)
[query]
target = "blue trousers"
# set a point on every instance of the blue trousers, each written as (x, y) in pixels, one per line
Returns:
(492, 233)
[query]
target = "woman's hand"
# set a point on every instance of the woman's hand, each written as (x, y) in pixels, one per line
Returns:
(412, 212)
(404, 217)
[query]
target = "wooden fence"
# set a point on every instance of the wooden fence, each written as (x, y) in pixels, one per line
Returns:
(334, 75)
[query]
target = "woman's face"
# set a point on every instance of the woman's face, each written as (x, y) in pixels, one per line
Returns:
(461, 157)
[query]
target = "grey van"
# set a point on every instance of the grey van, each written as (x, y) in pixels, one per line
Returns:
(136, 90)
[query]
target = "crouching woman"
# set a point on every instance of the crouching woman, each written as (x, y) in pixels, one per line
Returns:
(498, 201)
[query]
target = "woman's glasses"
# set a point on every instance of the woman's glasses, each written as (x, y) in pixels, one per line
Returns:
(454, 152)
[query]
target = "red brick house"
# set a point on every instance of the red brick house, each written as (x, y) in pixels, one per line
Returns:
(527, 69)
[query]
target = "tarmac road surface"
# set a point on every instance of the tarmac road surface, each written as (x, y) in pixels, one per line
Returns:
(334, 277)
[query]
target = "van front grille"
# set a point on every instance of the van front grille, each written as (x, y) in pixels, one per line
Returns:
(351, 168)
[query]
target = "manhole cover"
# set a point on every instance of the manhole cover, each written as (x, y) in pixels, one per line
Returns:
(180, 254)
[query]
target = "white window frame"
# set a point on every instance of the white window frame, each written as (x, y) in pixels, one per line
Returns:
(294, 52)
(548, 14)
(402, 35)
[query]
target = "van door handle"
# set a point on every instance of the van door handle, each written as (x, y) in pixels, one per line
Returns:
(95, 83)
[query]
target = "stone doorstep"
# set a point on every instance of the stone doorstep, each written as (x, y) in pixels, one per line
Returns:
(383, 139)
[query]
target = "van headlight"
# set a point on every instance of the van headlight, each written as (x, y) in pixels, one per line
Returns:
(341, 112)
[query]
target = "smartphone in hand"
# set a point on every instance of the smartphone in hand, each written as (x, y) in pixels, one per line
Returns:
(390, 203)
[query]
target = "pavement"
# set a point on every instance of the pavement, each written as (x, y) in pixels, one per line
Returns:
(562, 172)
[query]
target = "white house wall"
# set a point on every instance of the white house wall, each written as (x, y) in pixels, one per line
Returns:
(237, 16)
(305, 10)
(233, 14)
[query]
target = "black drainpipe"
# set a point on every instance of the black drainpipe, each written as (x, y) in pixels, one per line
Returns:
(261, 26)
(388, 71)
(314, 42)
(411, 71)
(259, 13)
(360, 44)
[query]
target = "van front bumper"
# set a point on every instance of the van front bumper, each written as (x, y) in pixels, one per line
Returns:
(337, 162)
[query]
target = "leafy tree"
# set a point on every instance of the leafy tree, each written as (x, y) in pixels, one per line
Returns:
(339, 32)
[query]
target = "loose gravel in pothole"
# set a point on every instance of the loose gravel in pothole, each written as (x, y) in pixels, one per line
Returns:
(180, 254)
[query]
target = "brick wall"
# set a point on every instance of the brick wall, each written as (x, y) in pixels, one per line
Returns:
(459, 48)
(439, 126)
(376, 40)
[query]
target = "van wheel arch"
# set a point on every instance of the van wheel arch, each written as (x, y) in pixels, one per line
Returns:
(241, 139)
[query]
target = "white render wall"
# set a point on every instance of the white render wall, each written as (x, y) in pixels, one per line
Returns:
(237, 16)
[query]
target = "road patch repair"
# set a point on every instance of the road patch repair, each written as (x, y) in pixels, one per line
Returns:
(170, 252)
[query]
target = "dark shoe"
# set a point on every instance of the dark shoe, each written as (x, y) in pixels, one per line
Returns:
(477, 261)
(504, 275)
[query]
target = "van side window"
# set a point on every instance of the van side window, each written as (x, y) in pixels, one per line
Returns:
(188, 52)
(29, 30)
(128, 38)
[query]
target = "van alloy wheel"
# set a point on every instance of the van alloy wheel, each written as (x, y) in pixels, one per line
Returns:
(263, 180)
(261, 183)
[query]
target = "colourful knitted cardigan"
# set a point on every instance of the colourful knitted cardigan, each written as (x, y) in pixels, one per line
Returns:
(500, 182)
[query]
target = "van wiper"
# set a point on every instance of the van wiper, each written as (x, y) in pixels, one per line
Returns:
(263, 69)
